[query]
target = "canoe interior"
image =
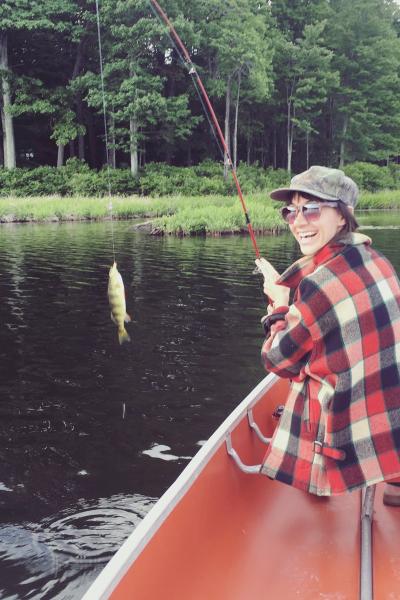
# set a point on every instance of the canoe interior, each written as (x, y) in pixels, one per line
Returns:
(234, 536)
(386, 550)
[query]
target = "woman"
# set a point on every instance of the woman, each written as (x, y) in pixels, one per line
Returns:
(338, 341)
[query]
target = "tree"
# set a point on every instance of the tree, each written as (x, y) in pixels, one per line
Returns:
(136, 52)
(23, 16)
(365, 107)
(304, 78)
(238, 42)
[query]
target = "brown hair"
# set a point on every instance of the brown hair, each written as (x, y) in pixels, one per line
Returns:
(351, 223)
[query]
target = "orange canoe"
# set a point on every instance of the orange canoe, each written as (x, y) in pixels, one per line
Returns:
(220, 533)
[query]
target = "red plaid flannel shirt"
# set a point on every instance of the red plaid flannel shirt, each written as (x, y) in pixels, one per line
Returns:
(339, 344)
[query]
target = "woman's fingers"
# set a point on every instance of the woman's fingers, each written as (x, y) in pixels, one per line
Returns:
(269, 272)
(278, 295)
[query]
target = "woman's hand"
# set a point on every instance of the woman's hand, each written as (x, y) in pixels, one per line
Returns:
(278, 294)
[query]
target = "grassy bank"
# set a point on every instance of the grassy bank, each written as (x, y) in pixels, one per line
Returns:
(172, 215)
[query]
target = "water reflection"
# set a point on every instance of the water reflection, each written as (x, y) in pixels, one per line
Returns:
(82, 418)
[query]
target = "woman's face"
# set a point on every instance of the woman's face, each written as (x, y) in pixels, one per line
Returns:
(313, 236)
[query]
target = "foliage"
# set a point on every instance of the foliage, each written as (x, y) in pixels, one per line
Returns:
(159, 179)
(365, 106)
(387, 200)
(308, 82)
(114, 181)
(371, 177)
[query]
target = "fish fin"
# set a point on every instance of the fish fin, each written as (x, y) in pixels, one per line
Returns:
(127, 318)
(123, 336)
(113, 319)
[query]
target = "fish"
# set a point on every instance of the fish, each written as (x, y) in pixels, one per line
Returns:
(116, 299)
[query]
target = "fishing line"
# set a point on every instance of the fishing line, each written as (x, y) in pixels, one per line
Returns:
(103, 95)
(193, 72)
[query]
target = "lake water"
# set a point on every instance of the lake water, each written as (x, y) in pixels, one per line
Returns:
(91, 433)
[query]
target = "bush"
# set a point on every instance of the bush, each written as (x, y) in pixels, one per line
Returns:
(159, 179)
(42, 181)
(370, 177)
(278, 177)
(92, 183)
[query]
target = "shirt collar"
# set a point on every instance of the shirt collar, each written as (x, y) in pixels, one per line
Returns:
(307, 264)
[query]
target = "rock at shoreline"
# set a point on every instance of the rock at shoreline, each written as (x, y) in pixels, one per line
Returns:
(148, 227)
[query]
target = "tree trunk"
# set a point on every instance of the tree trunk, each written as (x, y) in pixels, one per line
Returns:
(142, 155)
(1, 156)
(274, 161)
(235, 130)
(92, 140)
(289, 137)
(308, 149)
(6, 117)
(248, 150)
(227, 123)
(111, 151)
(71, 149)
(343, 142)
(133, 128)
(60, 155)
(78, 100)
(81, 147)
(81, 137)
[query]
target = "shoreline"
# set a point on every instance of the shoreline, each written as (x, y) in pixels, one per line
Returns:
(170, 215)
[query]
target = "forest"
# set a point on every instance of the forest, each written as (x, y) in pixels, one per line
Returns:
(293, 82)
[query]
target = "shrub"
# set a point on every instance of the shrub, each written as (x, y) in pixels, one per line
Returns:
(370, 177)
(93, 183)
(158, 179)
(278, 177)
(42, 181)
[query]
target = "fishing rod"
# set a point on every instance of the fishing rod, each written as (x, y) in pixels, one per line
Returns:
(198, 82)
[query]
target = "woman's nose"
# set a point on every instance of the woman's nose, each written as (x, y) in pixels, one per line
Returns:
(299, 218)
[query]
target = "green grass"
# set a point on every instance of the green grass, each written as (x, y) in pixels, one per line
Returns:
(212, 215)
(386, 199)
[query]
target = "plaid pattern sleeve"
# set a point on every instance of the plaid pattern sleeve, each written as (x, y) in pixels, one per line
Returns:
(286, 350)
(340, 428)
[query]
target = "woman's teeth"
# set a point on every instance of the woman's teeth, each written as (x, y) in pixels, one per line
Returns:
(304, 236)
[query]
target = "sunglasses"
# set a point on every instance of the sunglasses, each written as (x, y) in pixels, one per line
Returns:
(310, 211)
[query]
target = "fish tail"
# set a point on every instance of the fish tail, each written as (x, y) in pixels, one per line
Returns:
(123, 336)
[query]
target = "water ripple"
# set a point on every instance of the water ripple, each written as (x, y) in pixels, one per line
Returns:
(64, 550)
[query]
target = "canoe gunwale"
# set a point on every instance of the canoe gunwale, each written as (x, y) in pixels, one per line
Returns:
(122, 560)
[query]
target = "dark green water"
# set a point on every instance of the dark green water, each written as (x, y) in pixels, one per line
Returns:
(92, 433)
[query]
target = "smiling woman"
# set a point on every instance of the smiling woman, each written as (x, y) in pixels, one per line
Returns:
(338, 342)
(312, 226)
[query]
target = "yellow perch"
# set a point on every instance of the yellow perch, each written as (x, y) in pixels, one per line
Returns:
(116, 298)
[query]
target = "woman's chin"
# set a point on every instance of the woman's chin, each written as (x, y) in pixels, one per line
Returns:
(308, 249)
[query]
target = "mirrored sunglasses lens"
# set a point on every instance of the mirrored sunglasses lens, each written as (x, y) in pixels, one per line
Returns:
(312, 212)
(289, 214)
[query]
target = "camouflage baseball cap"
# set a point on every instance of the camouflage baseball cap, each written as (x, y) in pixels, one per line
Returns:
(323, 183)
